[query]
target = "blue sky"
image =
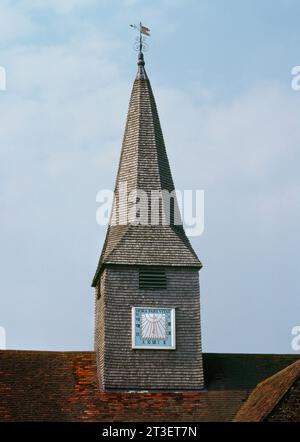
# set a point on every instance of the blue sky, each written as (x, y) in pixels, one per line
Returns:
(221, 74)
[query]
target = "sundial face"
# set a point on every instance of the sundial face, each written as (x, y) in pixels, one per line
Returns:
(153, 328)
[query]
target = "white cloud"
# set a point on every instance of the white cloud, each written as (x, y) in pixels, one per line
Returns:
(59, 104)
(59, 119)
(130, 2)
(59, 6)
(254, 135)
(14, 24)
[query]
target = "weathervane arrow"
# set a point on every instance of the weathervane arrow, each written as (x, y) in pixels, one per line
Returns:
(143, 30)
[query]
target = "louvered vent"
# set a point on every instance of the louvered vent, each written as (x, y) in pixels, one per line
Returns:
(154, 278)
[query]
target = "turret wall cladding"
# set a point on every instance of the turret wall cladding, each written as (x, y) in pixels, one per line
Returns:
(124, 367)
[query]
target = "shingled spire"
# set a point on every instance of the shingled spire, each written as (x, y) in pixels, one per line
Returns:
(147, 310)
(144, 165)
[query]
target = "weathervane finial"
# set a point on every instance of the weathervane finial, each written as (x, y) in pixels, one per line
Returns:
(141, 41)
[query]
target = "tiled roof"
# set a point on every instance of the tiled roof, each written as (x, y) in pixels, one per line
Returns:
(62, 386)
(144, 165)
(268, 393)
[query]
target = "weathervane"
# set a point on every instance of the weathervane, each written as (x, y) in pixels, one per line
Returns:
(141, 41)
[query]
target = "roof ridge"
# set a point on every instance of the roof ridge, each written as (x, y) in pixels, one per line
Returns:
(259, 405)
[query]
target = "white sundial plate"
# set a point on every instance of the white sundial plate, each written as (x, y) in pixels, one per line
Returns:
(153, 328)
